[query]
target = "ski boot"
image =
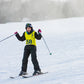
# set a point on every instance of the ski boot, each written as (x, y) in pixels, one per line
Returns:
(23, 73)
(37, 73)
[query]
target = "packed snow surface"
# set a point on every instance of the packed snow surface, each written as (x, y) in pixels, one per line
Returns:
(65, 39)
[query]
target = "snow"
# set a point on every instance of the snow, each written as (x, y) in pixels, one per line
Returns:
(65, 40)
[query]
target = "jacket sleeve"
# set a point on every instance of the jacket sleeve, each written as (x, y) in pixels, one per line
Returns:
(20, 38)
(38, 36)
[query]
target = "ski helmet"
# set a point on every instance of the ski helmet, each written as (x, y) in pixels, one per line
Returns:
(28, 25)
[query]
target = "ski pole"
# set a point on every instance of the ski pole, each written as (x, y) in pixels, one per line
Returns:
(46, 45)
(7, 37)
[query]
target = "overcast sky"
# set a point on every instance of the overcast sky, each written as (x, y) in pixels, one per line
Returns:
(59, 0)
(36, 10)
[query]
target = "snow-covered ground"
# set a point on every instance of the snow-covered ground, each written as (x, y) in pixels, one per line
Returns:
(65, 38)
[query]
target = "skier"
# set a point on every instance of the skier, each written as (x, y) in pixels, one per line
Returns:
(30, 36)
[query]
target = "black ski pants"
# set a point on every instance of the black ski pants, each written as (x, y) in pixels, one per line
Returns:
(30, 49)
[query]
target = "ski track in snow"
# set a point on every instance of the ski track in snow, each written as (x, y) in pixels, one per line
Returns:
(65, 40)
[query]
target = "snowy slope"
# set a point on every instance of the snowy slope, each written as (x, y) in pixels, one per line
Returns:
(65, 40)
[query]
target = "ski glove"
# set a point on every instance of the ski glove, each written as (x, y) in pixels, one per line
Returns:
(15, 33)
(39, 31)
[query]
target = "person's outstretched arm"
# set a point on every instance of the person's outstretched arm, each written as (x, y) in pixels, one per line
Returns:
(38, 36)
(20, 38)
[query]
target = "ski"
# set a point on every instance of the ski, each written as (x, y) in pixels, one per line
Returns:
(24, 76)
(13, 77)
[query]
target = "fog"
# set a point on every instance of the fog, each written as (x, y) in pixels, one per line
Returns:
(37, 10)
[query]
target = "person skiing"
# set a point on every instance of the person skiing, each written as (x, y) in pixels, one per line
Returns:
(30, 36)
